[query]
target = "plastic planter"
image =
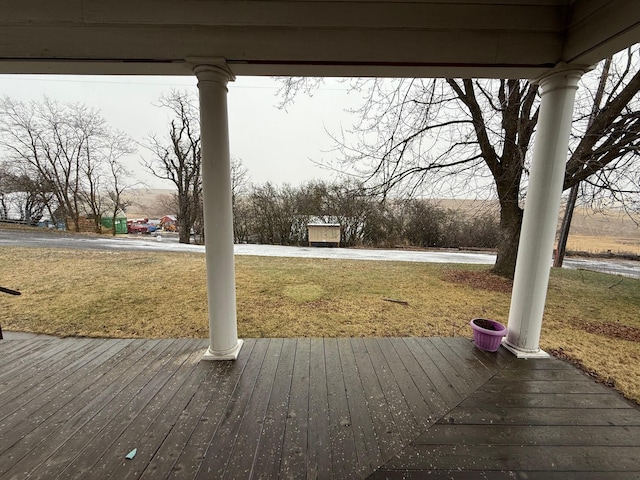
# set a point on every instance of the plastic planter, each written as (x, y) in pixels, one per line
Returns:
(487, 334)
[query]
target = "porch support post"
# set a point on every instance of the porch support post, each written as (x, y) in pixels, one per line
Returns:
(218, 214)
(541, 211)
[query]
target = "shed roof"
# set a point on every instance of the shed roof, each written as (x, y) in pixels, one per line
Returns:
(323, 225)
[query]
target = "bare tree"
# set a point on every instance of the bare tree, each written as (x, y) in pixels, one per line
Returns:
(437, 137)
(350, 205)
(459, 136)
(118, 147)
(169, 203)
(563, 235)
(607, 139)
(273, 211)
(62, 145)
(240, 179)
(240, 184)
(22, 196)
(179, 159)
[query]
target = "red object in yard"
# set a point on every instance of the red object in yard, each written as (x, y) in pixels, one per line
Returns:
(137, 228)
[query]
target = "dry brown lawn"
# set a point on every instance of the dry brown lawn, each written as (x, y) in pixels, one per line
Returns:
(604, 244)
(590, 318)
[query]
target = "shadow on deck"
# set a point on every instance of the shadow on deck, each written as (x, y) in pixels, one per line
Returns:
(295, 408)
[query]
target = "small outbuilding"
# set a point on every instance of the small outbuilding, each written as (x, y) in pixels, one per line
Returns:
(324, 234)
(169, 223)
(121, 223)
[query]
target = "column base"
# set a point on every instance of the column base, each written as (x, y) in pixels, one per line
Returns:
(232, 354)
(523, 353)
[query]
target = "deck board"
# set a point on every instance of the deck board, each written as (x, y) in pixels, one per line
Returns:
(215, 419)
(36, 379)
(468, 369)
(445, 389)
(400, 412)
(187, 437)
(247, 439)
(268, 459)
(427, 390)
(70, 415)
(344, 453)
(367, 447)
(140, 431)
(123, 410)
(33, 412)
(64, 424)
(418, 407)
(21, 352)
(448, 370)
(534, 418)
(296, 414)
(482, 458)
(166, 455)
(295, 408)
(149, 444)
(222, 442)
(319, 460)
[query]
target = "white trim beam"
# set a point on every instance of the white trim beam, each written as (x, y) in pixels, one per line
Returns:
(597, 29)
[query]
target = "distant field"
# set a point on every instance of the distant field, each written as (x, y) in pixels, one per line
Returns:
(606, 244)
(609, 232)
(612, 231)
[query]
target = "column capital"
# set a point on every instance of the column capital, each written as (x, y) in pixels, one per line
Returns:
(211, 69)
(562, 76)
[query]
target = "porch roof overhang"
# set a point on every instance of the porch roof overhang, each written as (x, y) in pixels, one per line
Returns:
(427, 38)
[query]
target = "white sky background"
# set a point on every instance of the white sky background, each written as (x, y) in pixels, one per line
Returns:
(274, 145)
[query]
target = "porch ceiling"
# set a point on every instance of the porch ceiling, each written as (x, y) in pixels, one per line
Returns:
(480, 38)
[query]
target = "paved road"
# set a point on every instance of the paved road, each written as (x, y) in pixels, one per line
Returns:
(165, 242)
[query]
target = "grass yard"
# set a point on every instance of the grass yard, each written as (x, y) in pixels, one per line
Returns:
(590, 318)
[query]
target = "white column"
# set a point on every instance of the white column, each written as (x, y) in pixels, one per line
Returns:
(541, 213)
(218, 214)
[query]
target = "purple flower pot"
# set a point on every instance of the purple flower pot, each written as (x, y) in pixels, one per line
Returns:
(487, 334)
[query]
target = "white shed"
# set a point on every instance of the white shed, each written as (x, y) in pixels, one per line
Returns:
(324, 234)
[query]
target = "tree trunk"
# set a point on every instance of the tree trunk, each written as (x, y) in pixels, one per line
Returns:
(76, 223)
(185, 230)
(510, 224)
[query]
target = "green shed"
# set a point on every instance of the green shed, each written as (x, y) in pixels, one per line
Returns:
(121, 223)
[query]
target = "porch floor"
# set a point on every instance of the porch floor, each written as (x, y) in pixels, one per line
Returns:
(315, 408)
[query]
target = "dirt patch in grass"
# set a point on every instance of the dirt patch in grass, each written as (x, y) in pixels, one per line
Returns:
(307, 292)
(611, 330)
(479, 279)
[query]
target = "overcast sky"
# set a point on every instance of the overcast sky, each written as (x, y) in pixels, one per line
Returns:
(275, 145)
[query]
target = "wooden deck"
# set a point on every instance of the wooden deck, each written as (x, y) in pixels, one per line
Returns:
(296, 408)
